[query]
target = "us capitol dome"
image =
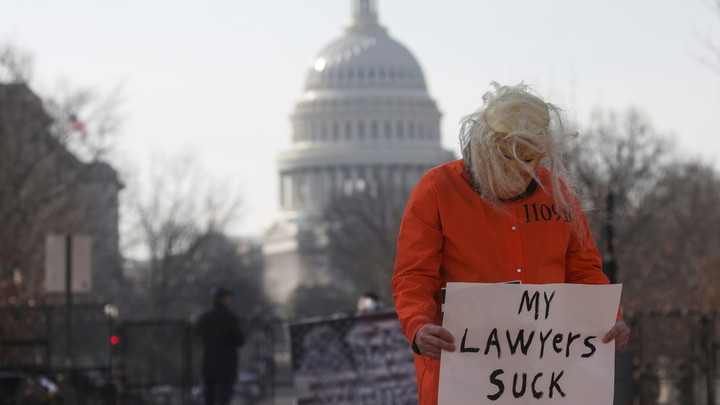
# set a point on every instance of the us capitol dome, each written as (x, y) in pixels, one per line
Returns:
(365, 119)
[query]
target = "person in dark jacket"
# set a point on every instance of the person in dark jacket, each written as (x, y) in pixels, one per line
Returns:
(219, 330)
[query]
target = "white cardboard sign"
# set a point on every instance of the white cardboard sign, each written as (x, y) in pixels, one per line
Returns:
(529, 344)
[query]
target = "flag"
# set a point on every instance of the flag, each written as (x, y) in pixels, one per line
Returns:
(77, 125)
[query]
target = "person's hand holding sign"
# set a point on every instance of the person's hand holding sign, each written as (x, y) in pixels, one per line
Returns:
(621, 333)
(432, 339)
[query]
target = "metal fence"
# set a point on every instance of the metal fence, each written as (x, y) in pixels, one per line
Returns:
(44, 354)
(256, 377)
(159, 363)
(38, 337)
(155, 362)
(674, 358)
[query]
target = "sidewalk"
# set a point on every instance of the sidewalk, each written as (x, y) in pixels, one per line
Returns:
(284, 384)
(283, 388)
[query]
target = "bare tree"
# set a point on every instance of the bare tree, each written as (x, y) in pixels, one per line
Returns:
(362, 232)
(234, 263)
(85, 121)
(711, 56)
(315, 299)
(355, 236)
(617, 162)
(179, 220)
(15, 65)
(82, 120)
(674, 235)
(654, 216)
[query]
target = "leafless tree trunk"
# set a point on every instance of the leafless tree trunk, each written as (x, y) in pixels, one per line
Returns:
(663, 222)
(362, 232)
(616, 163)
(674, 236)
(179, 220)
(712, 60)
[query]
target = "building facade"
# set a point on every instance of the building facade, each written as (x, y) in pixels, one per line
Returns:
(45, 189)
(364, 120)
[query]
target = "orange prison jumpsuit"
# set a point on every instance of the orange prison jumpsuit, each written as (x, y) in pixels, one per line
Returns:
(448, 233)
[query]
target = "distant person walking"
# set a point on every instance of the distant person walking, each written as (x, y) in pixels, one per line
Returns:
(221, 335)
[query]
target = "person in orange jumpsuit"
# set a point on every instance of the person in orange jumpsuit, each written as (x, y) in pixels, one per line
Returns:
(496, 215)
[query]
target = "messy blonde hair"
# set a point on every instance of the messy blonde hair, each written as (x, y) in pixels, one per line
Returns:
(512, 124)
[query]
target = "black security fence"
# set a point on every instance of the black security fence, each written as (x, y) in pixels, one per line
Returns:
(675, 358)
(85, 358)
(50, 353)
(45, 338)
(256, 377)
(25, 337)
(159, 363)
(154, 362)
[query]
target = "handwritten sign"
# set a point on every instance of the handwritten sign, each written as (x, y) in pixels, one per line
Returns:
(529, 344)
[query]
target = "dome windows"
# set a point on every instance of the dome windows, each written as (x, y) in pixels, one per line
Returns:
(348, 130)
(374, 132)
(323, 132)
(313, 132)
(319, 130)
(365, 120)
(365, 100)
(335, 131)
(326, 75)
(361, 131)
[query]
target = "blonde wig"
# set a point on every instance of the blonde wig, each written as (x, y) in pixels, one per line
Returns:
(515, 126)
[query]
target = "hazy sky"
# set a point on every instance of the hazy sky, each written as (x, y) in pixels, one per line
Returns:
(219, 79)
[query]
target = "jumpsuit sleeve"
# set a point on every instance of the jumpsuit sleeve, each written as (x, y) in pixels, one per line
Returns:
(583, 263)
(416, 280)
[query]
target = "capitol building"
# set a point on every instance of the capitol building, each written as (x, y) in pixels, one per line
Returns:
(365, 117)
